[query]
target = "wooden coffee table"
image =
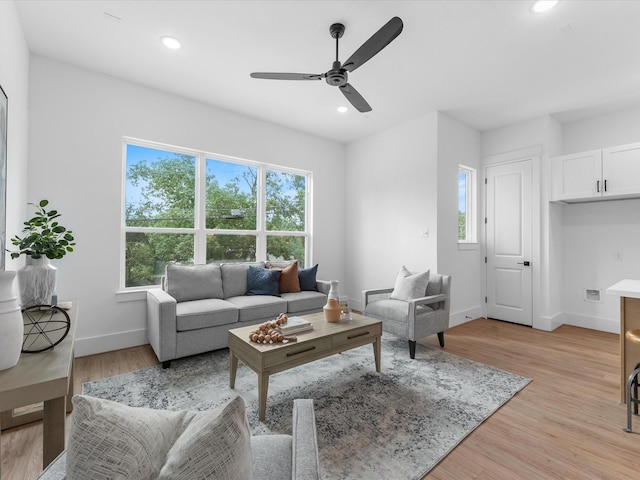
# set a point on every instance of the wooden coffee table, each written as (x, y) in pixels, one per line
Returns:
(324, 340)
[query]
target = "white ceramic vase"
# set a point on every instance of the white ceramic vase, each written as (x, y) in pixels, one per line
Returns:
(332, 309)
(37, 282)
(11, 325)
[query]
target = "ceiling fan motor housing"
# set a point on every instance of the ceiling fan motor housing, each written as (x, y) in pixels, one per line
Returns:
(337, 76)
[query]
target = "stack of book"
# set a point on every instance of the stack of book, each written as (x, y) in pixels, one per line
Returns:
(295, 325)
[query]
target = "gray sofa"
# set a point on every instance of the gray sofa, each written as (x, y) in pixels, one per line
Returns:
(198, 304)
(273, 457)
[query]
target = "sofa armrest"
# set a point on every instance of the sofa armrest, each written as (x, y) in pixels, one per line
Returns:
(305, 464)
(161, 324)
(323, 286)
(427, 300)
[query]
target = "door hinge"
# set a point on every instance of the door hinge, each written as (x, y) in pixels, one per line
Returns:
(485, 220)
(485, 181)
(485, 259)
(485, 299)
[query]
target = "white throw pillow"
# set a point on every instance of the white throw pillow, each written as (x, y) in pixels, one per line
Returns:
(109, 440)
(410, 285)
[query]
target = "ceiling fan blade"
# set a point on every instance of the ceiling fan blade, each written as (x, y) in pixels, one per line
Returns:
(376, 42)
(355, 98)
(287, 76)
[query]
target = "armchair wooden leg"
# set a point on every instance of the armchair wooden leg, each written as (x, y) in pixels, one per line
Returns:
(441, 338)
(412, 349)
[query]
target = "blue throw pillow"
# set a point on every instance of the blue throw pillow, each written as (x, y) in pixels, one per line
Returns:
(307, 277)
(263, 281)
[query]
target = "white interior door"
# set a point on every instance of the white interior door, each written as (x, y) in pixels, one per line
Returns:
(508, 237)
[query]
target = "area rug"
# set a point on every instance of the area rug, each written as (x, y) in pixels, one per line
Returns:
(397, 424)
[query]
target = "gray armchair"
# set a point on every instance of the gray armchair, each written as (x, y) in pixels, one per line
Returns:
(413, 319)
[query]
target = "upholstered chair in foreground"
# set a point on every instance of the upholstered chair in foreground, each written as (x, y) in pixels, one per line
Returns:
(417, 306)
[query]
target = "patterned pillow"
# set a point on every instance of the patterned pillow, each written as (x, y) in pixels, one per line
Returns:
(410, 285)
(110, 440)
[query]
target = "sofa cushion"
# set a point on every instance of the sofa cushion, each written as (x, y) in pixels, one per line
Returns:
(109, 440)
(263, 281)
(289, 281)
(396, 310)
(258, 307)
(410, 285)
(307, 277)
(234, 278)
(204, 313)
(304, 301)
(194, 282)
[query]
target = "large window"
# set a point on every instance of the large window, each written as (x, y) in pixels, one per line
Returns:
(193, 207)
(466, 204)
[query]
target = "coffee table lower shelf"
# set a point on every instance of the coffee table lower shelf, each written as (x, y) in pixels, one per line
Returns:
(324, 340)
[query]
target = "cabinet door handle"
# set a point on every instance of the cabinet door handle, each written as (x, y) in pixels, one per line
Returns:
(597, 186)
(605, 185)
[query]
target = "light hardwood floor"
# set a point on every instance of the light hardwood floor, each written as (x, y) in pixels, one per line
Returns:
(566, 424)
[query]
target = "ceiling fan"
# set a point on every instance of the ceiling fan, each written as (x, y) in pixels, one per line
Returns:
(339, 73)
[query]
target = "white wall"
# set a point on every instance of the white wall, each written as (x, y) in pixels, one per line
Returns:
(78, 119)
(392, 195)
(14, 79)
(617, 128)
(458, 144)
(595, 233)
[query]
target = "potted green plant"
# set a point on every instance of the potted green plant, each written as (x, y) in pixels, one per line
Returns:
(43, 239)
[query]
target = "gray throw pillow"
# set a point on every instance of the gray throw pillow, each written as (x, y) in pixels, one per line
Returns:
(410, 285)
(109, 440)
(194, 282)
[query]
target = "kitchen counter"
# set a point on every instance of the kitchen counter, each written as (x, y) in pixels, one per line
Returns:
(629, 293)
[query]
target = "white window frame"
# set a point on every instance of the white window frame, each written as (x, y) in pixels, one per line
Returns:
(199, 231)
(471, 204)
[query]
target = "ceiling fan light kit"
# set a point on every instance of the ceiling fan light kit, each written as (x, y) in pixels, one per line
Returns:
(338, 76)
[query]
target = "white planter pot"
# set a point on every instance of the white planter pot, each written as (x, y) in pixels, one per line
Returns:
(37, 282)
(11, 325)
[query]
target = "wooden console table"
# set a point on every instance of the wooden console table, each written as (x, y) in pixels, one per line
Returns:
(43, 377)
(629, 293)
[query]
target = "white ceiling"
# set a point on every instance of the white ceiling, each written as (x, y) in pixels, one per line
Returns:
(484, 63)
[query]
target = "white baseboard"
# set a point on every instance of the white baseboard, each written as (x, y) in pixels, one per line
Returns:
(594, 323)
(549, 323)
(458, 318)
(111, 342)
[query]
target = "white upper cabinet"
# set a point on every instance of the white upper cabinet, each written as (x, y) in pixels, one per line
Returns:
(576, 176)
(597, 175)
(621, 170)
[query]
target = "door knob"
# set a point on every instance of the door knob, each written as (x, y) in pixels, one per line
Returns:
(526, 263)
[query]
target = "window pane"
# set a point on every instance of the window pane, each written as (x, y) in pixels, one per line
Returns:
(231, 195)
(147, 254)
(462, 206)
(231, 248)
(160, 188)
(286, 194)
(281, 248)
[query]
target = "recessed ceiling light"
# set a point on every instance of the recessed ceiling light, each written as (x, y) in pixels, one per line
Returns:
(342, 109)
(540, 6)
(171, 42)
